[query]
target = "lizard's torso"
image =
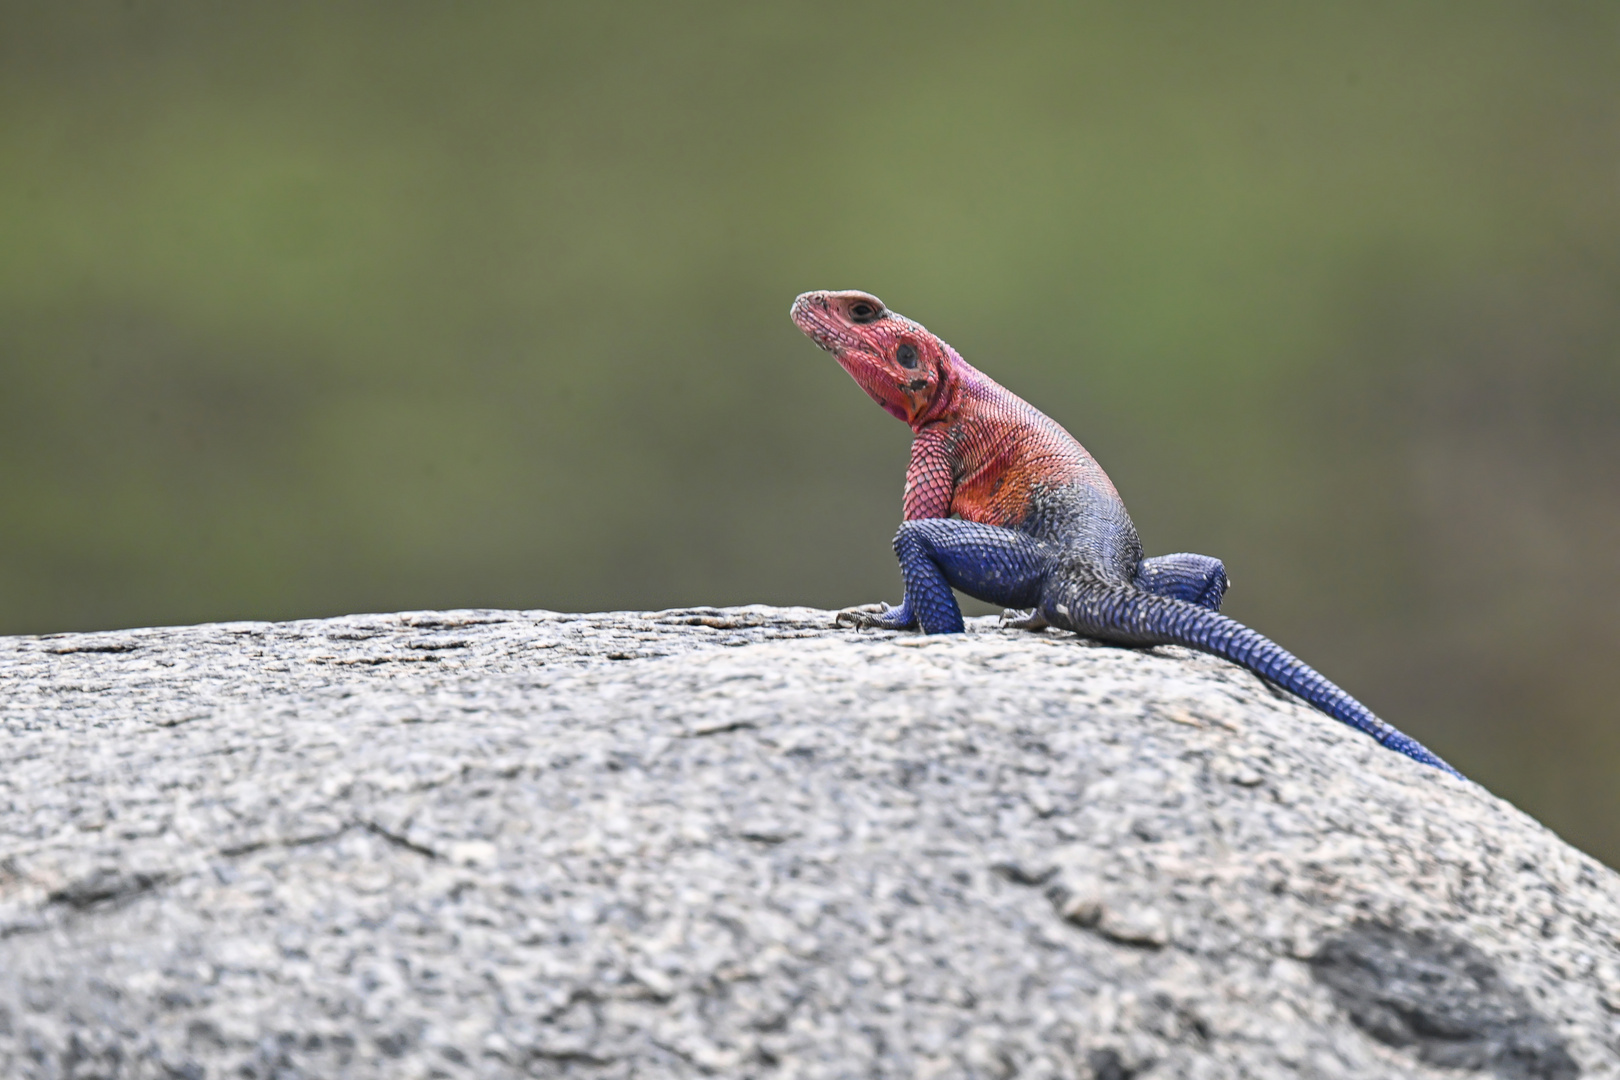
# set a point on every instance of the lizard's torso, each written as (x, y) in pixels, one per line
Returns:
(1013, 466)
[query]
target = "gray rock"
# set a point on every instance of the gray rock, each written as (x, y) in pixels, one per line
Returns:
(741, 843)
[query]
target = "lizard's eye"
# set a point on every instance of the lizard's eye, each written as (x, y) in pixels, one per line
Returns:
(907, 355)
(862, 312)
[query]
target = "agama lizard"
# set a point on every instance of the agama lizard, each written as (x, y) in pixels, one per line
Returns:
(1002, 503)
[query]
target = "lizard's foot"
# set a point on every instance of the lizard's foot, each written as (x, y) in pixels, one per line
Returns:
(1024, 620)
(876, 617)
(858, 617)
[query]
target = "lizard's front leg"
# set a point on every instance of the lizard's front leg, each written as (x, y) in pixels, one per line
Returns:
(1001, 566)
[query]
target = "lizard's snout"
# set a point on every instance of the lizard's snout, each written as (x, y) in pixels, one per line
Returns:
(813, 313)
(832, 318)
(805, 303)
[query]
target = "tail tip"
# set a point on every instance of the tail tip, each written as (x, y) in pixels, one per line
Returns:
(1415, 750)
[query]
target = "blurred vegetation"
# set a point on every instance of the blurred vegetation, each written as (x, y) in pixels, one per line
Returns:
(320, 308)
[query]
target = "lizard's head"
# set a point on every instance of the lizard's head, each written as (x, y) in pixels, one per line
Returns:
(899, 364)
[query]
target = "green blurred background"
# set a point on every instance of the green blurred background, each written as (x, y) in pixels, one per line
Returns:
(309, 309)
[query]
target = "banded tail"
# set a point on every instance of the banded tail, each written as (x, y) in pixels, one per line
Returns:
(1131, 616)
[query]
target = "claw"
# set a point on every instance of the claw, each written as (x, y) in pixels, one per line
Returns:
(1024, 620)
(863, 617)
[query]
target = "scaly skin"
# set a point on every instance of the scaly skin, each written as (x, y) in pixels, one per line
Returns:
(1006, 506)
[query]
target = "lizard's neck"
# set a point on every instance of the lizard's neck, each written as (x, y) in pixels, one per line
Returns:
(946, 407)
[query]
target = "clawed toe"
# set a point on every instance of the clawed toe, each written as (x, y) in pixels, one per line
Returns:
(877, 617)
(863, 617)
(1023, 620)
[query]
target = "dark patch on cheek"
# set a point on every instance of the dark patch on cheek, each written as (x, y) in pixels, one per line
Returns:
(918, 384)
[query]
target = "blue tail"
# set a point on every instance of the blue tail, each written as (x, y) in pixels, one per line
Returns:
(1131, 616)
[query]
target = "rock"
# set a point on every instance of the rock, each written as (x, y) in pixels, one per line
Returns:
(742, 843)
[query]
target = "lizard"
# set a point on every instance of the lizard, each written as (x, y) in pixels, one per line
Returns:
(1006, 506)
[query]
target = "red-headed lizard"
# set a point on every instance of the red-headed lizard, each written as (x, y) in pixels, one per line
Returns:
(1005, 505)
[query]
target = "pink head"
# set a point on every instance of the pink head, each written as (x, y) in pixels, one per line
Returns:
(900, 365)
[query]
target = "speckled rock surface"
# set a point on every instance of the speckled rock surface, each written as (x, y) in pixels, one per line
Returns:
(742, 843)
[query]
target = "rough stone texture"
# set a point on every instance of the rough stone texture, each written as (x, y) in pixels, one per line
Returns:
(742, 843)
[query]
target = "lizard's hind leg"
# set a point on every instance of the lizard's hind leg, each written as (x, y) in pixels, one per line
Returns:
(1197, 579)
(1000, 566)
